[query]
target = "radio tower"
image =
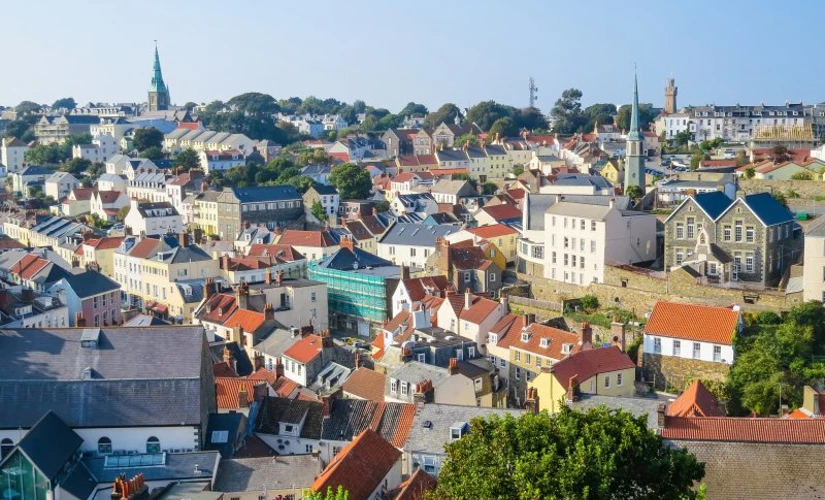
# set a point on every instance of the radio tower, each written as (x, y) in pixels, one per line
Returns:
(533, 92)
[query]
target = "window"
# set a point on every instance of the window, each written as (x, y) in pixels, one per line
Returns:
(581, 225)
(6, 447)
(393, 386)
(717, 353)
(104, 445)
(471, 352)
(421, 357)
(412, 252)
(477, 383)
(455, 433)
(749, 234)
(690, 227)
(592, 225)
(592, 246)
(429, 465)
(527, 358)
(308, 448)
(737, 231)
(607, 381)
(459, 354)
(492, 277)
(581, 244)
(677, 348)
(680, 256)
(725, 233)
(313, 297)
(553, 258)
(468, 276)
(680, 231)
(657, 345)
(153, 445)
(405, 389)
(618, 379)
(697, 350)
(749, 263)
(492, 338)
(518, 373)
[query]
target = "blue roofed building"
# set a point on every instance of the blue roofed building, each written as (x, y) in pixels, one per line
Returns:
(749, 242)
(272, 206)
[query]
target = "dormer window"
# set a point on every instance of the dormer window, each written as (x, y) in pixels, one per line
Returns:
(544, 343)
(566, 348)
(457, 430)
(525, 336)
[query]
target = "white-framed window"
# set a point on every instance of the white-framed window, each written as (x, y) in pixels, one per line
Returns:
(492, 277)
(680, 231)
(657, 345)
(750, 233)
(749, 263)
(697, 350)
(422, 357)
(393, 386)
(619, 380)
(468, 276)
(607, 381)
(677, 348)
(492, 338)
(717, 353)
(404, 388)
(429, 464)
(518, 373)
(471, 352)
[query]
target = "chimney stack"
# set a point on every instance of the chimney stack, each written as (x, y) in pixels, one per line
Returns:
(357, 360)
(79, 320)
(208, 288)
(183, 239)
(617, 332)
(531, 401)
(405, 272)
(243, 398)
(586, 334)
(453, 368)
(225, 262)
(468, 299)
(661, 416)
(268, 276)
(326, 340)
(572, 386)
(346, 242)
(278, 277)
(269, 312)
(279, 369)
(242, 295)
(326, 410)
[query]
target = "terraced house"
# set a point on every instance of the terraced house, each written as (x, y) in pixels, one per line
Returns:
(751, 239)
(275, 206)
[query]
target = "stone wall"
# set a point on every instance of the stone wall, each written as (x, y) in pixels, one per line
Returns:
(805, 189)
(664, 371)
(637, 291)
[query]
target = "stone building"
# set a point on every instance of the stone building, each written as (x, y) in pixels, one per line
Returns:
(752, 239)
(273, 206)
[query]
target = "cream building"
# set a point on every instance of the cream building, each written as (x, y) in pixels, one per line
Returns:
(813, 276)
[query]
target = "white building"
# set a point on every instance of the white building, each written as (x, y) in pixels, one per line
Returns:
(412, 244)
(13, 153)
(813, 276)
(101, 149)
(60, 184)
(153, 218)
(580, 239)
(582, 184)
(220, 160)
(111, 182)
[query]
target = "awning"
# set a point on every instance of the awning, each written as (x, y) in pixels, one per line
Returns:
(160, 308)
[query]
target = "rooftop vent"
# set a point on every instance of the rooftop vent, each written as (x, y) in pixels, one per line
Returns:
(89, 338)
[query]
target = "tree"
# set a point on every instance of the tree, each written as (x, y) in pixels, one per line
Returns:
(27, 107)
(634, 192)
(598, 454)
(446, 113)
(189, 106)
(646, 116)
(153, 153)
(530, 119)
(485, 113)
(122, 212)
(742, 159)
(64, 103)
(489, 188)
(76, 166)
(600, 112)
(590, 302)
(146, 138)
(780, 154)
(413, 108)
(254, 104)
(504, 127)
(19, 129)
(187, 159)
(318, 211)
(567, 112)
(682, 138)
(351, 181)
(802, 176)
(470, 139)
(779, 196)
(339, 494)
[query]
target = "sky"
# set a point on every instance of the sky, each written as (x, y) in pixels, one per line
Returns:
(389, 52)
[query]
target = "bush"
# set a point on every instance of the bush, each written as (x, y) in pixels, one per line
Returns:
(590, 302)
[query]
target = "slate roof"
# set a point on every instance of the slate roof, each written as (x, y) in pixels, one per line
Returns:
(416, 234)
(178, 466)
(276, 473)
(90, 283)
(638, 406)
(233, 423)
(769, 211)
(265, 193)
(49, 444)
(713, 203)
(360, 466)
(323, 189)
(347, 260)
(430, 439)
(693, 322)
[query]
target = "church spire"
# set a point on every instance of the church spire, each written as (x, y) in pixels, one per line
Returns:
(158, 91)
(634, 134)
(157, 75)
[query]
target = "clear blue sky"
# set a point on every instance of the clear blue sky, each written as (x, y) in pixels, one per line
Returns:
(389, 52)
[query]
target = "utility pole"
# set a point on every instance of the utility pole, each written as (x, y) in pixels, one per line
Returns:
(533, 92)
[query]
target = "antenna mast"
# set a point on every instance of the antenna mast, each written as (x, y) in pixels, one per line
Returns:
(533, 92)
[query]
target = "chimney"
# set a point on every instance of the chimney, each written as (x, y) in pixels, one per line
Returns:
(528, 319)
(453, 368)
(227, 356)
(278, 277)
(346, 242)
(259, 361)
(183, 239)
(572, 386)
(269, 312)
(357, 360)
(617, 333)
(661, 416)
(279, 369)
(242, 295)
(586, 334)
(326, 340)
(504, 301)
(468, 299)
(225, 262)
(268, 276)
(405, 272)
(531, 401)
(243, 398)
(326, 410)
(79, 320)
(246, 224)
(208, 288)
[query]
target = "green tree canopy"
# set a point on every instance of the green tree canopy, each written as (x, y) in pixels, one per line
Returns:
(146, 138)
(153, 153)
(598, 454)
(530, 119)
(446, 113)
(413, 108)
(504, 127)
(339, 494)
(646, 116)
(254, 104)
(485, 113)
(567, 112)
(186, 160)
(634, 192)
(64, 103)
(76, 166)
(318, 211)
(600, 112)
(351, 181)
(27, 107)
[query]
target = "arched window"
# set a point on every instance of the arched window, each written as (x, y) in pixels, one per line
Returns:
(153, 445)
(104, 445)
(5, 447)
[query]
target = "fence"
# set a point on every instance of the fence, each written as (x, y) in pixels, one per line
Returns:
(538, 304)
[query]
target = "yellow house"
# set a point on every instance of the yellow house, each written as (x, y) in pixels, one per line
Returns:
(205, 212)
(102, 252)
(606, 371)
(613, 172)
(505, 238)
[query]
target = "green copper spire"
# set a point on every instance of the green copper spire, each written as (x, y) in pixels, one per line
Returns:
(157, 84)
(633, 133)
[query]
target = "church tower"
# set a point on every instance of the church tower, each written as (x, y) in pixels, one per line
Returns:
(670, 96)
(158, 91)
(634, 170)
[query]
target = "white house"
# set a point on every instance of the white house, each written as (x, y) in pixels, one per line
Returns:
(580, 239)
(153, 218)
(101, 149)
(221, 160)
(412, 244)
(111, 182)
(13, 153)
(60, 184)
(692, 332)
(107, 204)
(581, 184)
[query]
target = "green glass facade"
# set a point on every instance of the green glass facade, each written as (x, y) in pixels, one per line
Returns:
(353, 294)
(20, 480)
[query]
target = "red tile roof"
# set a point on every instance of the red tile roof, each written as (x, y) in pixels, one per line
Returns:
(105, 243)
(492, 231)
(405, 177)
(307, 238)
(366, 384)
(285, 387)
(590, 363)
(144, 248)
(693, 322)
(264, 374)
(305, 350)
(227, 389)
(537, 332)
(510, 325)
(417, 486)
(248, 320)
(378, 347)
(480, 308)
(503, 212)
(189, 125)
(748, 430)
(218, 309)
(696, 401)
(223, 369)
(29, 266)
(418, 288)
(283, 253)
(82, 194)
(360, 466)
(402, 322)
(340, 156)
(438, 172)
(109, 196)
(718, 163)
